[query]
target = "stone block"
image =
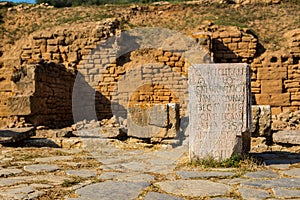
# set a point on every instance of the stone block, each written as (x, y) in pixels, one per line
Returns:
(280, 100)
(52, 49)
(262, 99)
(276, 110)
(173, 115)
(163, 59)
(158, 121)
(272, 73)
(261, 121)
(158, 115)
(15, 134)
(271, 86)
(243, 45)
(224, 34)
(291, 137)
(219, 110)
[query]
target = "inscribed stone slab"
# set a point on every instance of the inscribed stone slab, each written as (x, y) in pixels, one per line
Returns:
(219, 110)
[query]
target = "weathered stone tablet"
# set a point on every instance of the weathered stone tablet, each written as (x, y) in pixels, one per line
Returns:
(219, 110)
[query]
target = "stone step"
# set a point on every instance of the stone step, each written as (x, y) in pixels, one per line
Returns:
(15, 134)
(291, 137)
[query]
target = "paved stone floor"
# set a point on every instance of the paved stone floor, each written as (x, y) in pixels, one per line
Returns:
(110, 169)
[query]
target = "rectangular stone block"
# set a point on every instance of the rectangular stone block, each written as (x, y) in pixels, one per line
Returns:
(262, 99)
(261, 121)
(157, 122)
(219, 110)
(281, 99)
(272, 73)
(271, 86)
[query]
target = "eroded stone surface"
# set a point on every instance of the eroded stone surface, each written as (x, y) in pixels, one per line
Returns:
(21, 192)
(197, 174)
(262, 174)
(194, 188)
(112, 190)
(40, 168)
(284, 193)
(130, 177)
(261, 121)
(287, 137)
(156, 196)
(248, 193)
(83, 173)
(153, 121)
(293, 172)
(219, 110)
(9, 172)
(281, 182)
(53, 159)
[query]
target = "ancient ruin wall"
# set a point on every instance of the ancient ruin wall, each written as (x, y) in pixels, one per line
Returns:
(43, 94)
(274, 75)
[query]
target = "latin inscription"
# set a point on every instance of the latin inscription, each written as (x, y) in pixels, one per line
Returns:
(219, 94)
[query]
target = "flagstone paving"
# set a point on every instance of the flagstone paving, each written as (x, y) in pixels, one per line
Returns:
(111, 169)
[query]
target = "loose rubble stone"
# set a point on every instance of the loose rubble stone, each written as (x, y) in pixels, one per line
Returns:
(262, 174)
(194, 188)
(112, 132)
(15, 134)
(83, 173)
(248, 193)
(195, 174)
(293, 172)
(112, 190)
(287, 137)
(261, 121)
(156, 196)
(41, 168)
(9, 172)
(284, 193)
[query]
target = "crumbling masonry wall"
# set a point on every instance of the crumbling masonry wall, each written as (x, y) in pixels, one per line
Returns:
(275, 79)
(43, 94)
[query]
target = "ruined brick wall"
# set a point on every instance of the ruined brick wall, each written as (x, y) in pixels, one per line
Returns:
(148, 76)
(276, 77)
(43, 95)
(68, 46)
(52, 99)
(232, 45)
(64, 46)
(156, 76)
